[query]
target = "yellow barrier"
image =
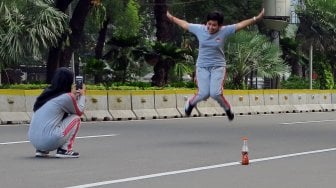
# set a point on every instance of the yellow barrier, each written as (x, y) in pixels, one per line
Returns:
(325, 100)
(240, 101)
(16, 105)
(96, 108)
(13, 107)
(257, 104)
(313, 100)
(120, 105)
(30, 98)
(271, 98)
(181, 98)
(165, 104)
(143, 105)
(286, 101)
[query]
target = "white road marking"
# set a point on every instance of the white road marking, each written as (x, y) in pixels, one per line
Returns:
(79, 137)
(197, 169)
(9, 143)
(13, 125)
(305, 122)
(97, 136)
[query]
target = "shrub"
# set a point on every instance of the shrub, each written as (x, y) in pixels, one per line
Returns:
(296, 82)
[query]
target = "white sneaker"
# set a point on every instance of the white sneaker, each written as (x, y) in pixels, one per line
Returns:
(40, 153)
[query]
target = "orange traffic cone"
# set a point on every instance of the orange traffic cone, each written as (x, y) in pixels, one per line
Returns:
(245, 158)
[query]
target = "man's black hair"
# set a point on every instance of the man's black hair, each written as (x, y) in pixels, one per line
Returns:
(216, 16)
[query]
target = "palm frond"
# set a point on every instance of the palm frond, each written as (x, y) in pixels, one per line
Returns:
(28, 27)
(247, 52)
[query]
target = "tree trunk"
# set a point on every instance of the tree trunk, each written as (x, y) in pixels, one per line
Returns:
(62, 5)
(53, 62)
(163, 26)
(238, 82)
(77, 23)
(55, 52)
(101, 40)
(163, 34)
(296, 69)
(58, 57)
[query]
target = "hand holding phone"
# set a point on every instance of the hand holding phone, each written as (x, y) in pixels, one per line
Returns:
(79, 82)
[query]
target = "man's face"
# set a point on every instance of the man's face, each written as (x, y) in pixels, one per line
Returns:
(212, 26)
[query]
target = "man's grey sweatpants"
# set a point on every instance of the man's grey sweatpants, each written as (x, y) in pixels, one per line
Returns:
(210, 82)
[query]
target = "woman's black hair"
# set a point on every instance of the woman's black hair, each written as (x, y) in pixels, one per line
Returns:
(216, 16)
(60, 83)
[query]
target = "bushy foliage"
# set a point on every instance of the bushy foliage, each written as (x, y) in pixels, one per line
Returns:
(28, 27)
(323, 70)
(296, 82)
(128, 21)
(247, 52)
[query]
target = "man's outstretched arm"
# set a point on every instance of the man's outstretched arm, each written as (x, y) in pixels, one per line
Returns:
(243, 24)
(182, 23)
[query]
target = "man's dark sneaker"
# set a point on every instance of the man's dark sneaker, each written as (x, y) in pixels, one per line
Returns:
(40, 153)
(230, 114)
(62, 153)
(188, 108)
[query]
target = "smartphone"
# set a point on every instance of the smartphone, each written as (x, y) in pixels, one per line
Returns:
(79, 82)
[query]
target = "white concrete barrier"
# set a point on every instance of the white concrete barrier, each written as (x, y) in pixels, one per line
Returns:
(271, 98)
(13, 107)
(181, 98)
(97, 106)
(257, 103)
(333, 98)
(210, 107)
(16, 105)
(120, 105)
(325, 100)
(166, 104)
(300, 101)
(229, 97)
(30, 98)
(240, 101)
(286, 101)
(143, 104)
(313, 98)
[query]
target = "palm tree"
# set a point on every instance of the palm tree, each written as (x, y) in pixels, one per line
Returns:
(317, 23)
(248, 52)
(27, 28)
(167, 58)
(115, 46)
(61, 55)
(292, 52)
(163, 34)
(317, 28)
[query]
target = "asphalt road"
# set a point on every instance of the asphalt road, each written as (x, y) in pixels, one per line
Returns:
(286, 150)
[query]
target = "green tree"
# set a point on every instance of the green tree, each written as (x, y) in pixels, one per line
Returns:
(317, 23)
(27, 28)
(128, 20)
(292, 52)
(234, 11)
(318, 28)
(248, 52)
(105, 32)
(122, 16)
(61, 55)
(168, 60)
(323, 70)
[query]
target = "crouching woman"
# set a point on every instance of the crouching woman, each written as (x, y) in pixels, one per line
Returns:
(56, 118)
